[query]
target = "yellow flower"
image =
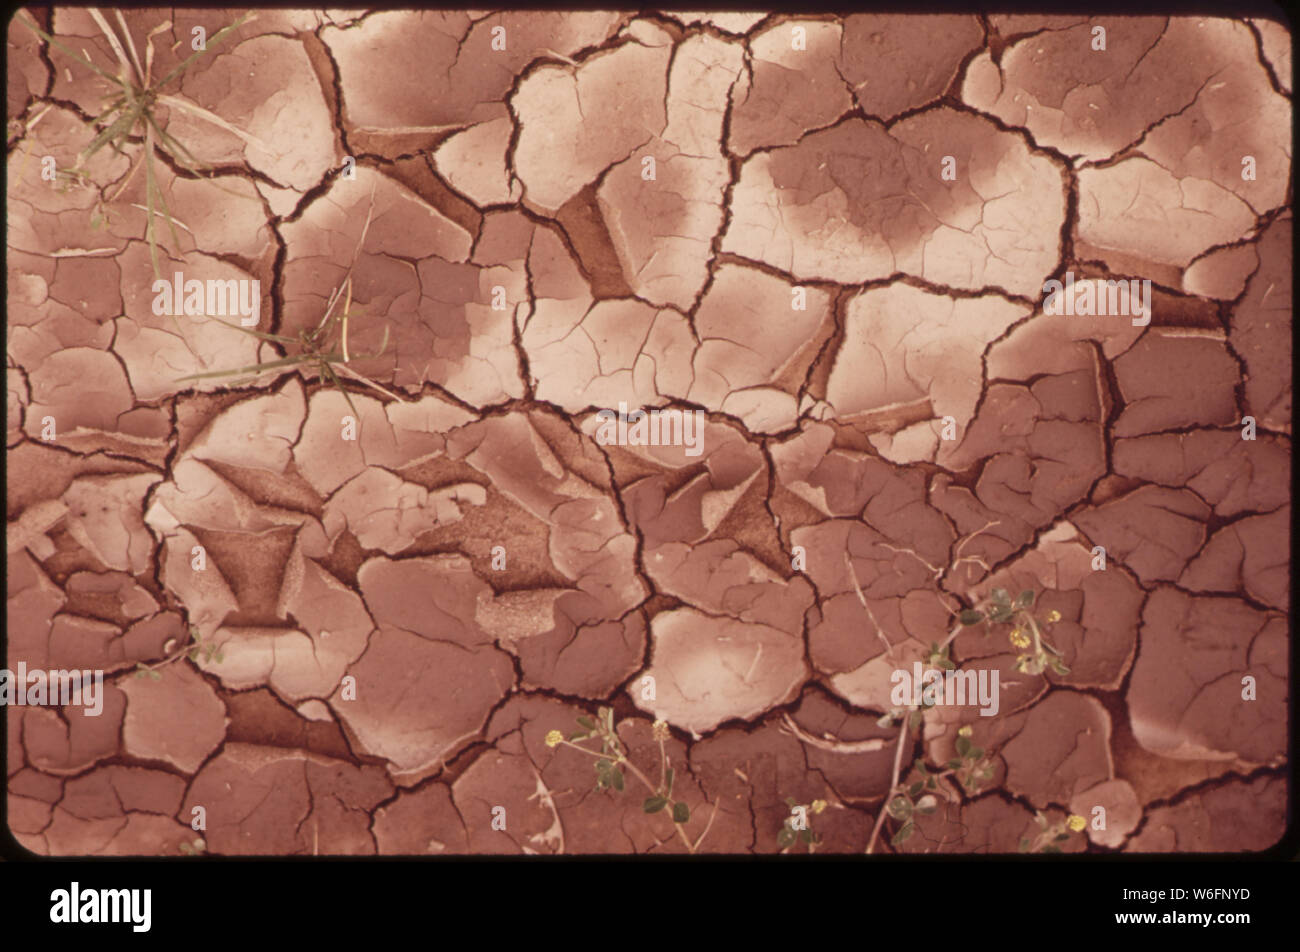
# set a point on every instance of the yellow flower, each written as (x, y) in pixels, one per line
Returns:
(659, 730)
(553, 738)
(818, 806)
(1053, 616)
(965, 731)
(1019, 638)
(1076, 822)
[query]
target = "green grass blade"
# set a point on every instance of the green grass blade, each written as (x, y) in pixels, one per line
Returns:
(190, 161)
(277, 338)
(217, 38)
(254, 369)
(120, 128)
(334, 379)
(76, 56)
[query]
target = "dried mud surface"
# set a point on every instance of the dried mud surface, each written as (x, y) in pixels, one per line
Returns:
(484, 570)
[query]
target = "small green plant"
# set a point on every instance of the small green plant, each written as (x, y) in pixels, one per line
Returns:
(972, 767)
(798, 825)
(192, 650)
(1002, 611)
(1049, 837)
(612, 760)
(130, 103)
(197, 847)
(323, 348)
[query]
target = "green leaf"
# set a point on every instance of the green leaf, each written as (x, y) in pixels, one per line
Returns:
(916, 787)
(976, 753)
(654, 804)
(617, 776)
(927, 804)
(919, 764)
(681, 812)
(155, 675)
(1024, 845)
(1062, 837)
(587, 722)
(954, 764)
(1025, 598)
(805, 836)
(900, 808)
(668, 782)
(931, 783)
(1000, 615)
(914, 722)
(604, 764)
(786, 837)
(219, 656)
(970, 617)
(885, 720)
(193, 654)
(903, 833)
(577, 736)
(1000, 598)
(791, 802)
(963, 745)
(1050, 848)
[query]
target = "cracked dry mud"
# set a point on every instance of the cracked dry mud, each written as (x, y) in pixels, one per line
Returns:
(482, 569)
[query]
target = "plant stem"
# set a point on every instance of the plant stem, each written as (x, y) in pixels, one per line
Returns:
(618, 758)
(893, 783)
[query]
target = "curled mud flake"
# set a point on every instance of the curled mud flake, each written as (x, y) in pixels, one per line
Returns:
(1138, 217)
(859, 202)
(1092, 103)
(384, 512)
(598, 114)
(1222, 272)
(1122, 812)
(720, 578)
(474, 162)
(104, 517)
(1252, 556)
(419, 701)
(1169, 381)
(1062, 749)
(902, 345)
(710, 670)
(1196, 651)
(266, 87)
(742, 307)
(272, 801)
(1236, 476)
(663, 204)
(785, 92)
(1260, 330)
(68, 746)
(897, 63)
(1240, 816)
(178, 719)
(1153, 531)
